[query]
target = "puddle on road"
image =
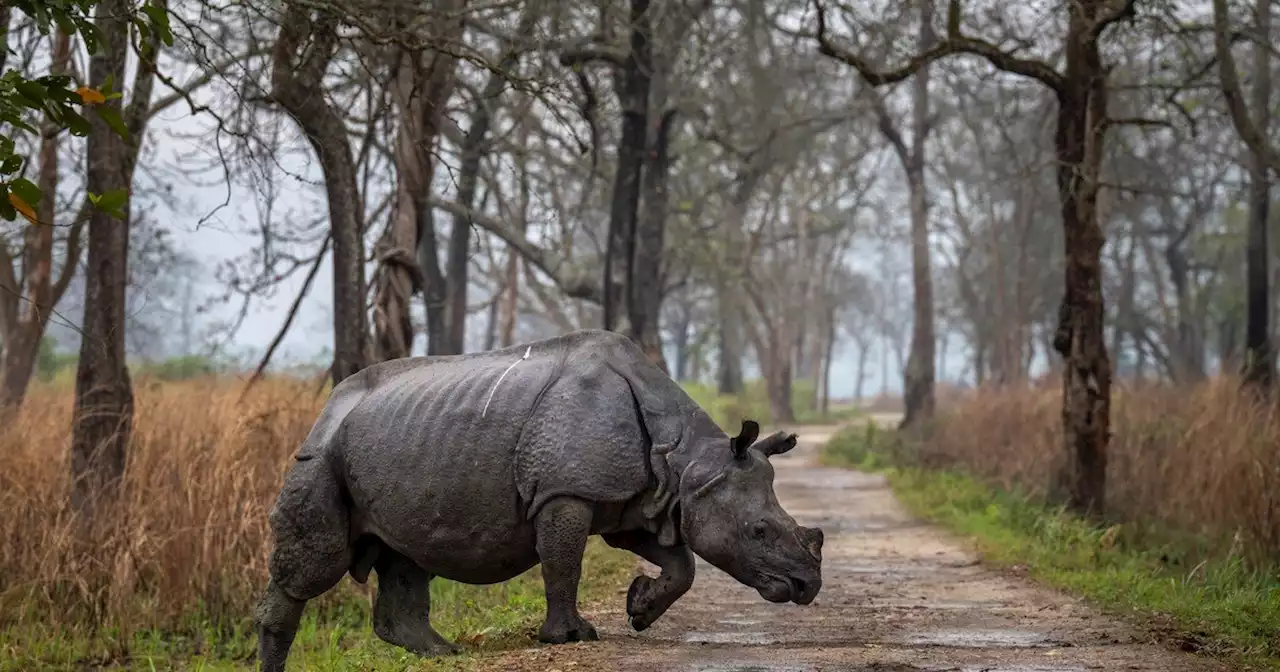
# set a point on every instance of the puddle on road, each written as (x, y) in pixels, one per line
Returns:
(876, 568)
(738, 621)
(941, 605)
(1005, 668)
(729, 638)
(748, 667)
(980, 639)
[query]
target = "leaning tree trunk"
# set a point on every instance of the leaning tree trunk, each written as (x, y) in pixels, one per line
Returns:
(1080, 336)
(300, 59)
(103, 413)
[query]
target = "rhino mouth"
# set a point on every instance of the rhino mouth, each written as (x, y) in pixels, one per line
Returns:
(789, 589)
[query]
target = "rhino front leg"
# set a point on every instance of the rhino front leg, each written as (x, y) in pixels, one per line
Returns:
(402, 606)
(649, 598)
(562, 528)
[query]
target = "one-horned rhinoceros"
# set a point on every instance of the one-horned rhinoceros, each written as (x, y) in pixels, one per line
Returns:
(477, 467)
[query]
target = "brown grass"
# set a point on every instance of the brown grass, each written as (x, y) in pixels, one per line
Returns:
(190, 535)
(1203, 459)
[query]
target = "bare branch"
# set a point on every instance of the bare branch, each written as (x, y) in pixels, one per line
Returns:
(955, 43)
(573, 281)
(1234, 93)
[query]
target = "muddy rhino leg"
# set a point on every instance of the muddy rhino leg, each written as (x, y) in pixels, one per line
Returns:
(650, 598)
(402, 606)
(562, 528)
(311, 555)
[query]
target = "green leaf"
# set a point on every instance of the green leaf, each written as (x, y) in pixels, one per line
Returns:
(26, 190)
(77, 124)
(31, 93)
(111, 201)
(6, 210)
(160, 22)
(11, 165)
(112, 117)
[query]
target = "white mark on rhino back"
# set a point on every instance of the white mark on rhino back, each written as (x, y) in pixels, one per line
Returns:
(527, 351)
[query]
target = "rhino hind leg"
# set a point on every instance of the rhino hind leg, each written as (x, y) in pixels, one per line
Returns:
(649, 598)
(402, 606)
(562, 528)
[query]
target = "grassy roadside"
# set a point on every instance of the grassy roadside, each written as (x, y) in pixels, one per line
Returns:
(1213, 603)
(336, 632)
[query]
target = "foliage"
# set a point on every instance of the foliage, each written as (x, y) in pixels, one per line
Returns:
(183, 367)
(174, 585)
(50, 362)
(1207, 597)
(53, 97)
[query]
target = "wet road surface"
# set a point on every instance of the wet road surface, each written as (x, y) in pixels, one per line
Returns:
(898, 595)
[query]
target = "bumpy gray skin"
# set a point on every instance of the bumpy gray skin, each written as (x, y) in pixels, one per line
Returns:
(478, 467)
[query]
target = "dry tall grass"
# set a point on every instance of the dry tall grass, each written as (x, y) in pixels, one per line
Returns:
(190, 535)
(1203, 459)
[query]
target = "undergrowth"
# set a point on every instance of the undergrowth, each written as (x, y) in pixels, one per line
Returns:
(1205, 597)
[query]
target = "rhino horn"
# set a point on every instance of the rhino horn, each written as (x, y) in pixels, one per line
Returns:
(740, 443)
(776, 444)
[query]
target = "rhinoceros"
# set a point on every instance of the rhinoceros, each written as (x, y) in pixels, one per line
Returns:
(477, 467)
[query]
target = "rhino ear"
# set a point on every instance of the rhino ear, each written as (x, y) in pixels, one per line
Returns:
(740, 443)
(776, 443)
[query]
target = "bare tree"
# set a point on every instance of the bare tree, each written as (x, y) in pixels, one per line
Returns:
(1082, 124)
(303, 50)
(1253, 127)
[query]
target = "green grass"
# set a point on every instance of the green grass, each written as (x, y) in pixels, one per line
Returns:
(335, 634)
(1216, 605)
(730, 410)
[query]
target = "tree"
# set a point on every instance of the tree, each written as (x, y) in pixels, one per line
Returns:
(103, 414)
(1259, 367)
(30, 286)
(1082, 123)
(919, 374)
(303, 50)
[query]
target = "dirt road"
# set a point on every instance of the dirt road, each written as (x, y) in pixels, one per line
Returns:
(898, 595)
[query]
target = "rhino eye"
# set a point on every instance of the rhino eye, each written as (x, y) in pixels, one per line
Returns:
(759, 529)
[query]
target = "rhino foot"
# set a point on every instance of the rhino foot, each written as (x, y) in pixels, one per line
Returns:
(640, 603)
(571, 629)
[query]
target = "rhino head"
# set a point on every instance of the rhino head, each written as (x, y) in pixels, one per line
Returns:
(733, 520)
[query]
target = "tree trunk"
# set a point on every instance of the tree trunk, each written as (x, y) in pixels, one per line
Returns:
(1080, 339)
(510, 299)
(103, 413)
(634, 100)
(473, 150)
(864, 349)
(301, 56)
(729, 332)
(408, 253)
(1260, 366)
(681, 345)
(827, 355)
(21, 343)
(491, 325)
(778, 381)
(645, 284)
